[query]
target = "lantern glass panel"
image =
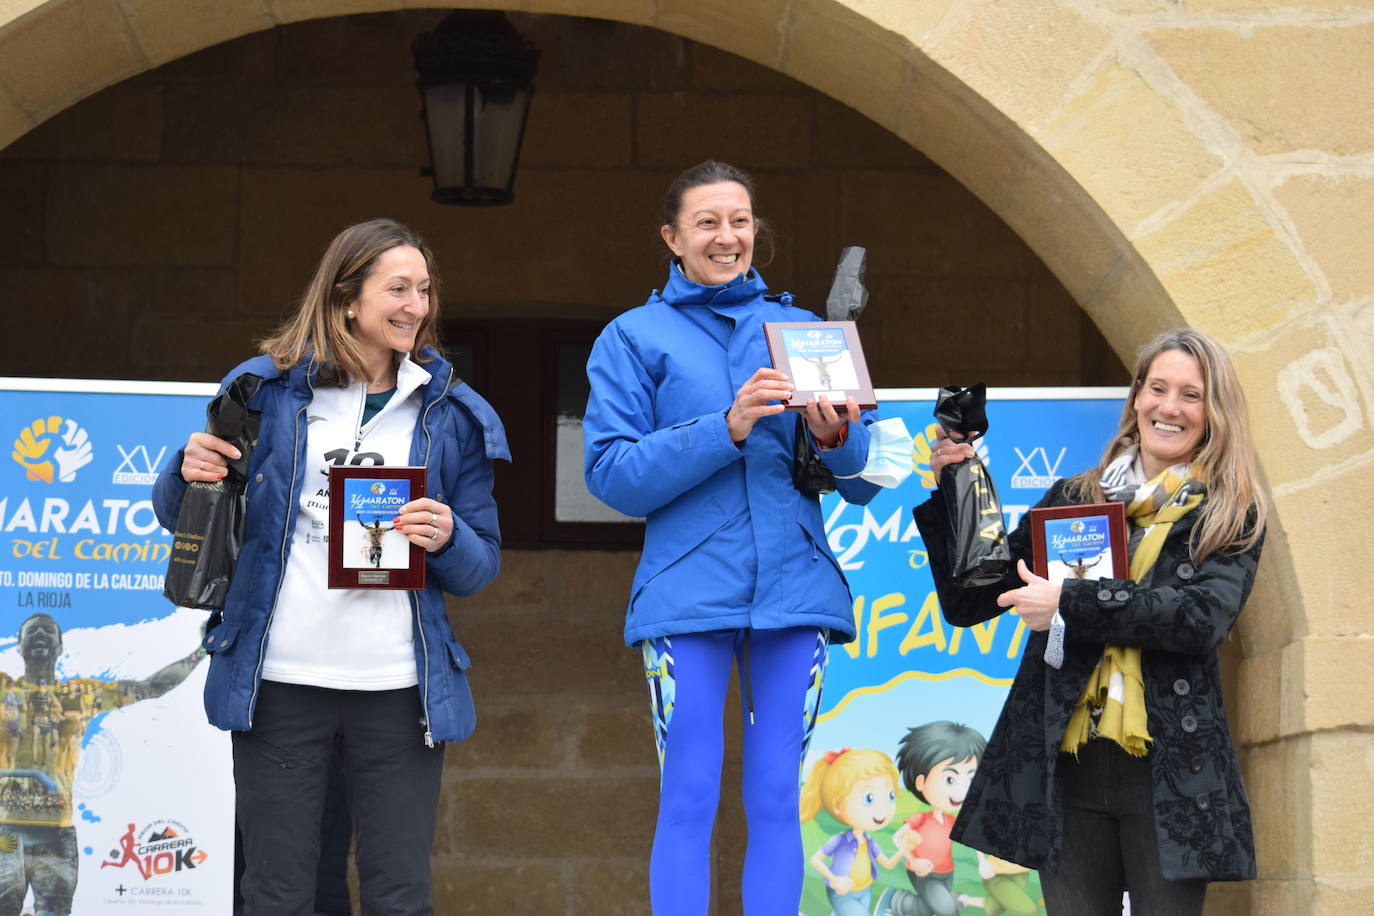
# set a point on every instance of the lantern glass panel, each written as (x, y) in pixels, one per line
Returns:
(498, 122)
(446, 118)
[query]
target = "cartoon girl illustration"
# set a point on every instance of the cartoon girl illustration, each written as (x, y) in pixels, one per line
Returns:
(857, 788)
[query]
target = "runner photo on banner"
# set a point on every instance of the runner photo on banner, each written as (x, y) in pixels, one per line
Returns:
(908, 705)
(115, 794)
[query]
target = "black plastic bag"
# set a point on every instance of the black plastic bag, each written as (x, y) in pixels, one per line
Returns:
(809, 473)
(848, 295)
(209, 529)
(977, 533)
(847, 299)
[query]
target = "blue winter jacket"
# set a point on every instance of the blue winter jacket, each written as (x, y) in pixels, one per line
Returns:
(729, 542)
(457, 437)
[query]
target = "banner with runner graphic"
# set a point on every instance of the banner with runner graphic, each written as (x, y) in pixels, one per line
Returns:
(115, 794)
(908, 705)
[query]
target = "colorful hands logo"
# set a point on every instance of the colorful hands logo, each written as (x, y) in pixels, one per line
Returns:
(920, 454)
(35, 451)
(1076, 526)
(379, 488)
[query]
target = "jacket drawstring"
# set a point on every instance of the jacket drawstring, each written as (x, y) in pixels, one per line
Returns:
(746, 684)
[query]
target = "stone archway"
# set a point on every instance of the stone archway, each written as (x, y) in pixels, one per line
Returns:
(1169, 167)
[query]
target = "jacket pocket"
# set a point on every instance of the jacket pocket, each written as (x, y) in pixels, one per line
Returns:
(258, 464)
(460, 711)
(809, 518)
(220, 639)
(673, 534)
(458, 656)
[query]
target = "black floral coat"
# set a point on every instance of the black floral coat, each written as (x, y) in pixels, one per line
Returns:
(1179, 618)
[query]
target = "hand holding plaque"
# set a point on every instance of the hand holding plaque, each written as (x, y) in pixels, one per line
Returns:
(821, 359)
(367, 548)
(1080, 542)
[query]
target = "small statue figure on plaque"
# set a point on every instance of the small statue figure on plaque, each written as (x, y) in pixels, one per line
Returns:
(822, 365)
(374, 540)
(1080, 565)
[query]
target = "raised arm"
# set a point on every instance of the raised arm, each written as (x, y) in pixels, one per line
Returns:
(164, 679)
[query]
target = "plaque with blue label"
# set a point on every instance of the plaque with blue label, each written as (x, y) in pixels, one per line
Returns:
(822, 359)
(1080, 542)
(365, 549)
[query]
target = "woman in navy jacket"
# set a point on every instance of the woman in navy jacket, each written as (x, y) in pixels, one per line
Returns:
(683, 426)
(352, 378)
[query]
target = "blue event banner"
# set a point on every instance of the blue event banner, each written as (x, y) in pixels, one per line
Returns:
(77, 527)
(1033, 440)
(104, 769)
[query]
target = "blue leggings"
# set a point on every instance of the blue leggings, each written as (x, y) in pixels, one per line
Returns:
(688, 676)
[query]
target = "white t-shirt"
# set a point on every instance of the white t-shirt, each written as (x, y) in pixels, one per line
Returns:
(345, 639)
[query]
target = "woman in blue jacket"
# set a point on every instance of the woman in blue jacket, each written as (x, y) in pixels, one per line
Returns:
(351, 378)
(683, 426)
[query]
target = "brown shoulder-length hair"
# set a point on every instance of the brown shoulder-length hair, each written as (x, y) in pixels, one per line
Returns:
(319, 326)
(1233, 514)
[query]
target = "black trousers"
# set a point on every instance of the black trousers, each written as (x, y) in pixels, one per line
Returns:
(281, 771)
(1109, 841)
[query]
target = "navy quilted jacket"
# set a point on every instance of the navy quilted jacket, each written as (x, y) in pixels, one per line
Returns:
(457, 437)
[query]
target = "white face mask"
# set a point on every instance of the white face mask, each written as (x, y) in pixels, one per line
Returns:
(889, 453)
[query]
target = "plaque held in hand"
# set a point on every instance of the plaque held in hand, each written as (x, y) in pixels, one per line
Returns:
(365, 549)
(822, 359)
(1080, 542)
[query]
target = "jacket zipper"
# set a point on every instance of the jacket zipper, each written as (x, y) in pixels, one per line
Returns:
(358, 429)
(414, 599)
(281, 571)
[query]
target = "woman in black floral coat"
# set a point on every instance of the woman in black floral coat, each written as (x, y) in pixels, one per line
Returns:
(1111, 767)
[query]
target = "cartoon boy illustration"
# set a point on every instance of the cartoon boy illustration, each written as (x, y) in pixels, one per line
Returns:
(859, 789)
(937, 761)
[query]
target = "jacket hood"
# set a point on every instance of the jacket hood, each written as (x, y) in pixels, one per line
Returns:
(299, 379)
(303, 374)
(681, 291)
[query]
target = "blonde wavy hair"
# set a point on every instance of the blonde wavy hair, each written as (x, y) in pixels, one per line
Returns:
(835, 774)
(1233, 515)
(319, 326)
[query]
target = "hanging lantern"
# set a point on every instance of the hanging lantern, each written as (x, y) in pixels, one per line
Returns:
(476, 80)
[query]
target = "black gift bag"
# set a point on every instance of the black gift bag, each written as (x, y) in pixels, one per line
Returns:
(809, 473)
(847, 299)
(977, 533)
(209, 529)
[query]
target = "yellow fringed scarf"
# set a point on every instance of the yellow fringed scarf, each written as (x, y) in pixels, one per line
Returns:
(1116, 685)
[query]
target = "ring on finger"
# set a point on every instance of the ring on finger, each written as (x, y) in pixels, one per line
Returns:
(435, 535)
(432, 517)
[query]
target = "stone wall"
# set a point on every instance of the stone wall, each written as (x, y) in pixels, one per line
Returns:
(167, 221)
(1207, 162)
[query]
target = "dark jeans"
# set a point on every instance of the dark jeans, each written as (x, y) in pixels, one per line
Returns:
(281, 771)
(934, 894)
(1110, 844)
(332, 896)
